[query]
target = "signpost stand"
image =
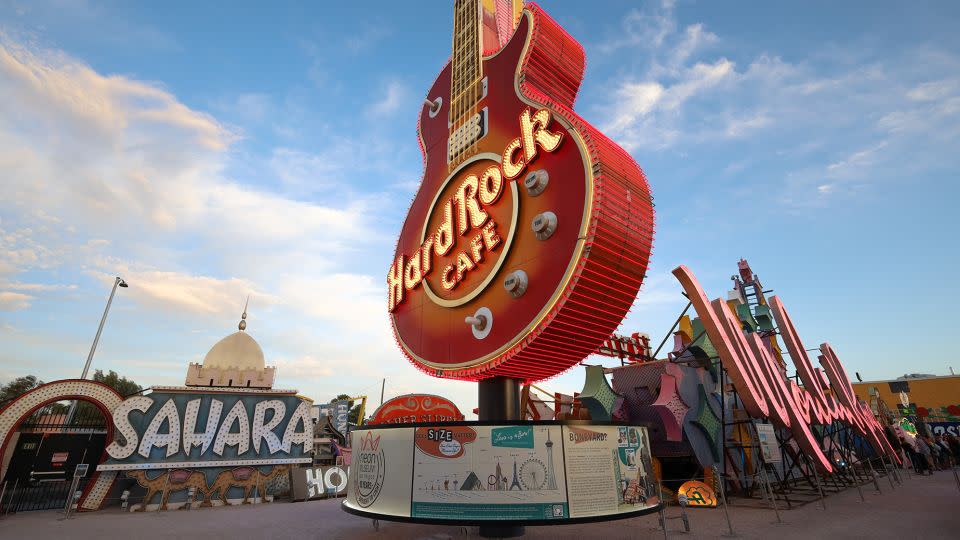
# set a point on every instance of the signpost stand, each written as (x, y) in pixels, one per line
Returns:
(816, 476)
(726, 512)
(73, 497)
(769, 490)
(662, 512)
(876, 481)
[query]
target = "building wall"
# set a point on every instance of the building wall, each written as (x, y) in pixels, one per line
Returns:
(940, 396)
(197, 375)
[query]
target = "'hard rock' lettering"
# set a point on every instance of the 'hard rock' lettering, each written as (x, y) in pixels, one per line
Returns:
(465, 212)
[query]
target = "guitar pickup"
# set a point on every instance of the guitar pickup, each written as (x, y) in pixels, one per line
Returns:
(466, 135)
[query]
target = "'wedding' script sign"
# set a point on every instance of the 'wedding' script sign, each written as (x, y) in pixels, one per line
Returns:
(826, 395)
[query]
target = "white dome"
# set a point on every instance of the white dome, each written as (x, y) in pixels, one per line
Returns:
(238, 350)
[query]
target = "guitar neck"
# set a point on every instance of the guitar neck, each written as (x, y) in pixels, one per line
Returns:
(465, 91)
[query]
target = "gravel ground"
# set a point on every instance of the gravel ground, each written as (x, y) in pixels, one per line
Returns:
(923, 507)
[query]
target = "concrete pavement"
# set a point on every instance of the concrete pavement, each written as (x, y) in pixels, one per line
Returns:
(923, 507)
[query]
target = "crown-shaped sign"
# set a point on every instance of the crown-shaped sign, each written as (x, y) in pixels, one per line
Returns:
(368, 442)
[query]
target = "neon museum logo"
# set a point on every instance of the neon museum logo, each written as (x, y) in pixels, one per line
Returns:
(826, 396)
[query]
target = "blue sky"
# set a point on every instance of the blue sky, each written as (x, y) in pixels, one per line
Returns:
(205, 152)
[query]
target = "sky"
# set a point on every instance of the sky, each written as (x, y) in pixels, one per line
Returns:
(207, 151)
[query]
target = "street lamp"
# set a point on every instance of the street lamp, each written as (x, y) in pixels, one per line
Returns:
(118, 282)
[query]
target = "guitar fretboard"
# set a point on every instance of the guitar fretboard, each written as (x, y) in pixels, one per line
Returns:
(466, 76)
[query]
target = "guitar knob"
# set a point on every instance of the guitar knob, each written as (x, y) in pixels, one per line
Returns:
(433, 106)
(516, 283)
(480, 322)
(536, 182)
(544, 225)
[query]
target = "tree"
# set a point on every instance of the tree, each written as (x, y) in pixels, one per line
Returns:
(124, 386)
(86, 411)
(18, 387)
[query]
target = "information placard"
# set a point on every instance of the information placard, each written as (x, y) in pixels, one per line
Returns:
(608, 470)
(470, 472)
(380, 471)
(769, 448)
(489, 472)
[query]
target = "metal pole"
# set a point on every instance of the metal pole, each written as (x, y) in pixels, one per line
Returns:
(887, 472)
(72, 498)
(769, 490)
(93, 347)
(675, 323)
(499, 400)
(876, 482)
(816, 476)
(382, 387)
(12, 495)
(723, 499)
(663, 506)
(859, 488)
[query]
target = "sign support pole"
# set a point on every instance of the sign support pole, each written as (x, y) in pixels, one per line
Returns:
(499, 400)
(876, 481)
(769, 490)
(889, 475)
(726, 513)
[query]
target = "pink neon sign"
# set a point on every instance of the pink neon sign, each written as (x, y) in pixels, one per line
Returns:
(765, 392)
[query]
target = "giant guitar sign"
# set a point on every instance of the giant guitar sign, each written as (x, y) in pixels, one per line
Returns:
(530, 234)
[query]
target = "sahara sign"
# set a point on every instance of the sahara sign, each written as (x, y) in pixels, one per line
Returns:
(530, 234)
(766, 393)
(174, 429)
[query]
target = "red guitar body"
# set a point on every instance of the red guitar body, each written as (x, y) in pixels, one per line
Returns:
(582, 280)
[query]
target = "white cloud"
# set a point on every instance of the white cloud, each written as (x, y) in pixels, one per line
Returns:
(858, 159)
(133, 184)
(933, 91)
(183, 293)
(641, 27)
(393, 95)
(132, 164)
(854, 117)
(646, 113)
(13, 301)
(739, 127)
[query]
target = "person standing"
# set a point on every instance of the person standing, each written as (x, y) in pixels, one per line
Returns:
(954, 442)
(915, 460)
(946, 454)
(925, 454)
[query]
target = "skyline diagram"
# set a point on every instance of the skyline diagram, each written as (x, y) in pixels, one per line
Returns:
(273, 154)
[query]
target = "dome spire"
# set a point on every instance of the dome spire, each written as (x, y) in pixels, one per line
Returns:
(243, 318)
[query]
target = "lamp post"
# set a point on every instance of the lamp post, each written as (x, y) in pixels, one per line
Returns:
(118, 282)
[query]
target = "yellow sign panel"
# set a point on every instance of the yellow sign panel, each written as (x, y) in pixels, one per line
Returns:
(698, 494)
